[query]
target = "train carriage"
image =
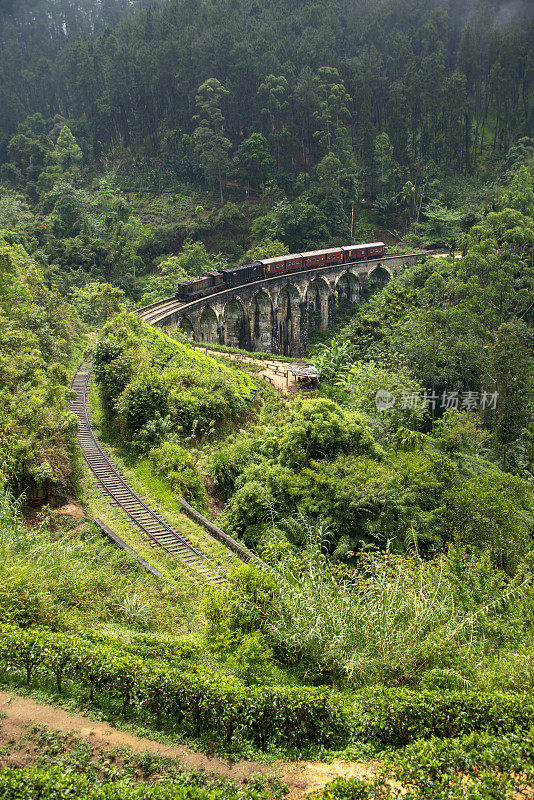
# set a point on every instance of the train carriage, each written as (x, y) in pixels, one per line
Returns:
(376, 249)
(280, 264)
(247, 273)
(322, 258)
(357, 252)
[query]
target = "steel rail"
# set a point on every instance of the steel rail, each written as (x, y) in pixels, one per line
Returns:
(161, 309)
(159, 532)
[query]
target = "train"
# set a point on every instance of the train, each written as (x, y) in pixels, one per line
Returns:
(231, 277)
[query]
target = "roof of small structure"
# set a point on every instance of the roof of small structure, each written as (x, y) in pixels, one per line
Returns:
(304, 371)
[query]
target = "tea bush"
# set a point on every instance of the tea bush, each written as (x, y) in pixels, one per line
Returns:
(59, 784)
(289, 716)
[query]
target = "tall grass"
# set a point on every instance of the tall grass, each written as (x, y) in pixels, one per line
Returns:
(53, 575)
(395, 620)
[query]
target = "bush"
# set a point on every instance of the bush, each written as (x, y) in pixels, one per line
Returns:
(57, 784)
(322, 429)
(294, 716)
(143, 373)
(141, 400)
(176, 465)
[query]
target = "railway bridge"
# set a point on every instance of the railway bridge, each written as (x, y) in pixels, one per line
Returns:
(275, 314)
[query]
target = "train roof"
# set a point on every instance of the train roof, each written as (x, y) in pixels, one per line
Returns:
(276, 259)
(366, 244)
(191, 281)
(243, 266)
(322, 252)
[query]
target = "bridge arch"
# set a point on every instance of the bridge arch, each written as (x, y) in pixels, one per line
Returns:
(379, 276)
(347, 288)
(261, 321)
(291, 317)
(186, 327)
(208, 326)
(317, 294)
(235, 324)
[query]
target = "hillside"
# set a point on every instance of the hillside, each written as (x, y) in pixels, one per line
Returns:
(340, 592)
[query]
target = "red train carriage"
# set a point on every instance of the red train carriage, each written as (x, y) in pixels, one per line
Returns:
(322, 258)
(281, 264)
(376, 249)
(357, 252)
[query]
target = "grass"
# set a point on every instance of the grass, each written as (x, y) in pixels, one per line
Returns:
(156, 491)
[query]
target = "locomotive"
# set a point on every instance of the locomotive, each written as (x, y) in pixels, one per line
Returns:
(215, 281)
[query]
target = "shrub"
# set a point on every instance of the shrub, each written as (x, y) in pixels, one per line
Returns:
(175, 463)
(490, 511)
(250, 507)
(57, 784)
(320, 428)
(141, 400)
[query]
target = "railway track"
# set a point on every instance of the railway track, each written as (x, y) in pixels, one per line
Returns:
(157, 312)
(157, 531)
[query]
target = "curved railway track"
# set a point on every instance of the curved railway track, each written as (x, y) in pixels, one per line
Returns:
(154, 528)
(157, 312)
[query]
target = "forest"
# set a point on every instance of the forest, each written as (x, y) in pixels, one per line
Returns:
(379, 641)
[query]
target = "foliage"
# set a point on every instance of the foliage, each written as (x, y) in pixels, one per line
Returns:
(394, 620)
(460, 432)
(143, 373)
(53, 576)
(39, 336)
(383, 395)
(266, 716)
(176, 465)
(493, 512)
(477, 765)
(333, 359)
(321, 429)
(24, 784)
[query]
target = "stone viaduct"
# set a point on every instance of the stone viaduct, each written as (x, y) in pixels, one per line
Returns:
(275, 314)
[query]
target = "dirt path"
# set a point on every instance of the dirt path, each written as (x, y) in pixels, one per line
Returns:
(276, 372)
(18, 714)
(22, 712)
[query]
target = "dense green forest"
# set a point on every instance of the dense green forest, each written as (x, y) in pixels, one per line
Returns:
(345, 115)
(390, 618)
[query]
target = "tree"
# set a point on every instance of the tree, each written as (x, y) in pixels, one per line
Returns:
(255, 159)
(319, 429)
(512, 372)
(211, 145)
(106, 300)
(328, 174)
(212, 149)
(384, 162)
(67, 153)
(273, 93)
(268, 248)
(333, 111)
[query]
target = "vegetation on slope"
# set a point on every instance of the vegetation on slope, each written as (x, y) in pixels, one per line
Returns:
(396, 614)
(39, 340)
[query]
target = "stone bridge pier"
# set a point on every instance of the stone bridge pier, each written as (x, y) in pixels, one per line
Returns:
(274, 315)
